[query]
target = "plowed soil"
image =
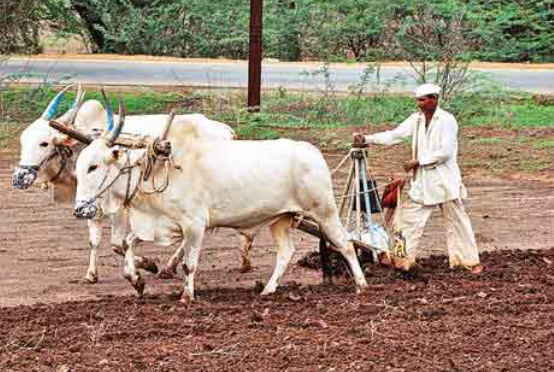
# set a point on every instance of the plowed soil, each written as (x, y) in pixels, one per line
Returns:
(437, 320)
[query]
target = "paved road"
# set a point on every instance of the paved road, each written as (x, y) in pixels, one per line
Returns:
(289, 76)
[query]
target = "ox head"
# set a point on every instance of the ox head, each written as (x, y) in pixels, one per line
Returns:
(39, 140)
(98, 166)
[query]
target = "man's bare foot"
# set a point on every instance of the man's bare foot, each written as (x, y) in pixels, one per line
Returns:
(404, 264)
(476, 270)
(384, 259)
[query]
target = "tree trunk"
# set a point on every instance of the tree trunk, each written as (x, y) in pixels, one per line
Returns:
(92, 20)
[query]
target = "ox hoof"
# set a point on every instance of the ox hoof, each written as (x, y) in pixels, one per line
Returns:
(186, 297)
(91, 279)
(139, 286)
(245, 268)
(328, 279)
(151, 266)
(165, 274)
(361, 288)
(118, 250)
(268, 291)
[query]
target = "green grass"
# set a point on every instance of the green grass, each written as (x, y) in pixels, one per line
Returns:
(282, 110)
(530, 115)
(8, 132)
(294, 110)
(534, 165)
(249, 131)
(29, 102)
(21, 106)
(543, 144)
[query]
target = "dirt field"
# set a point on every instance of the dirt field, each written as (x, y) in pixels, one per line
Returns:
(441, 320)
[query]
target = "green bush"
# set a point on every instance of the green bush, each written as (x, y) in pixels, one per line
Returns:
(19, 26)
(332, 30)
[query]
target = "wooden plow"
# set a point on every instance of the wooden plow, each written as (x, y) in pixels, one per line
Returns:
(358, 201)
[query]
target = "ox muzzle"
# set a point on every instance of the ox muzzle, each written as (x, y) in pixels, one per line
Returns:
(24, 176)
(85, 209)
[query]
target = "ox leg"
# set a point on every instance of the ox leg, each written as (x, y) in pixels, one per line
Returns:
(190, 264)
(120, 226)
(129, 270)
(95, 237)
(337, 235)
(170, 268)
(246, 240)
(280, 230)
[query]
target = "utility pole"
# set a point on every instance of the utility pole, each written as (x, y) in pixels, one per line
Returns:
(255, 57)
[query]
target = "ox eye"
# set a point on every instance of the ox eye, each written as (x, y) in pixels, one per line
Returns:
(92, 168)
(44, 144)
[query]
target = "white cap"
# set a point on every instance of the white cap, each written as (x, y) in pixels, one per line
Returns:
(426, 89)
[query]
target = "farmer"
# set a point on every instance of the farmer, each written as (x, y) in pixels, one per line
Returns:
(436, 181)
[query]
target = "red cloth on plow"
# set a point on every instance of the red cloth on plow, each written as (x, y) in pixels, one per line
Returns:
(390, 193)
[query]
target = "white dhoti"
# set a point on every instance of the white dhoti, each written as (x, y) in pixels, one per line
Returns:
(412, 217)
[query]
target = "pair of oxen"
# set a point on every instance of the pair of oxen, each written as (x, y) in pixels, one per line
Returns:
(211, 179)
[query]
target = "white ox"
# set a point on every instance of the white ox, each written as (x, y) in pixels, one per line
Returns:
(235, 184)
(49, 157)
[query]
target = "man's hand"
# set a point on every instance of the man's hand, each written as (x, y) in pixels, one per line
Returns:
(359, 139)
(412, 164)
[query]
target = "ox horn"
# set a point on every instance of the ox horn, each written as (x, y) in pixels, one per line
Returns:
(119, 127)
(70, 132)
(69, 117)
(52, 107)
(109, 111)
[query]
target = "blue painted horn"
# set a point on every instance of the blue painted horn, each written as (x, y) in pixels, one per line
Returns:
(109, 111)
(52, 107)
(69, 117)
(117, 130)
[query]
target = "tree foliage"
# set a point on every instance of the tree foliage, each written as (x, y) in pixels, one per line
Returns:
(19, 26)
(516, 30)
(496, 30)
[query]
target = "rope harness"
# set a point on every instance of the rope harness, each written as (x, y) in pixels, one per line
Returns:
(64, 153)
(145, 164)
(147, 167)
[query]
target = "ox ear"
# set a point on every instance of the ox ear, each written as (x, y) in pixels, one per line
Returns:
(62, 139)
(115, 154)
(68, 141)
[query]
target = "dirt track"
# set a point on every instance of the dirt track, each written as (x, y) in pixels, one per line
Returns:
(441, 320)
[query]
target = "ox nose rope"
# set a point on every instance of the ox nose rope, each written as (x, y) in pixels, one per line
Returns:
(87, 208)
(27, 174)
(125, 170)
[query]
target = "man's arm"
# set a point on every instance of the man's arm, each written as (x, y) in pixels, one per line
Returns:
(390, 137)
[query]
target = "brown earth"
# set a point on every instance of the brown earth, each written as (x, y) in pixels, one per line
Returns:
(439, 320)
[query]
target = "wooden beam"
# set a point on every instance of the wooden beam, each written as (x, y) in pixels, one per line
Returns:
(311, 228)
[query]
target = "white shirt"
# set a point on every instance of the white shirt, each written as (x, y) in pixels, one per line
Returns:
(438, 178)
